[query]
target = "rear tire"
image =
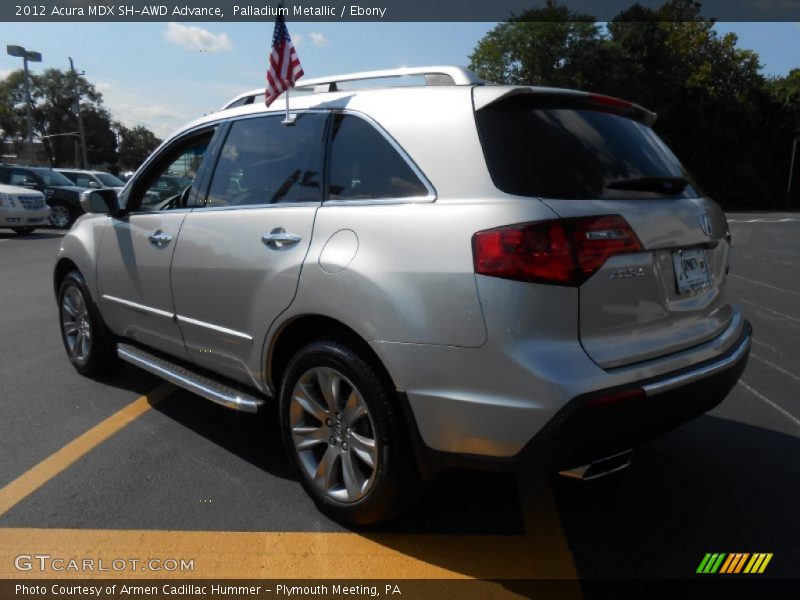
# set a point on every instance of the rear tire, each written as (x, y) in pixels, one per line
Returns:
(350, 445)
(23, 230)
(87, 340)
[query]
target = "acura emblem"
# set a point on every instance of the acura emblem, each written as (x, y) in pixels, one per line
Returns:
(705, 223)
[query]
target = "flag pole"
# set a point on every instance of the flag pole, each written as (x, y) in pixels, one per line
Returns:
(289, 118)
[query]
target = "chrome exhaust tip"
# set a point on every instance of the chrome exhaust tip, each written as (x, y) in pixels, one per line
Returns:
(600, 468)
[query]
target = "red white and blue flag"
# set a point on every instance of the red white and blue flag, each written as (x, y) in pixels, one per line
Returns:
(284, 66)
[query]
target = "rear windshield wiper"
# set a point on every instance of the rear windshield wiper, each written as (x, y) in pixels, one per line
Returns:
(659, 185)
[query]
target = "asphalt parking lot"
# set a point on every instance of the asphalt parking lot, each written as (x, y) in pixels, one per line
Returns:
(127, 463)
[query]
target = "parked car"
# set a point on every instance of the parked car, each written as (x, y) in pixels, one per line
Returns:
(61, 194)
(501, 277)
(22, 210)
(93, 179)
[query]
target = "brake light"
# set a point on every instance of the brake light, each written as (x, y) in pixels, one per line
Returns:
(562, 252)
(609, 101)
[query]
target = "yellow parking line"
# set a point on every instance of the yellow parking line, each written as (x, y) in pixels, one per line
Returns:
(51, 466)
(291, 555)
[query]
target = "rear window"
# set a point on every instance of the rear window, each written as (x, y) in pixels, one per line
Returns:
(572, 153)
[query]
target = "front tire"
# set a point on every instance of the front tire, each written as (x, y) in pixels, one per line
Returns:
(86, 339)
(61, 215)
(345, 435)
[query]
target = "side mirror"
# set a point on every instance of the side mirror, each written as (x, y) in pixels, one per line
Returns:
(94, 184)
(104, 202)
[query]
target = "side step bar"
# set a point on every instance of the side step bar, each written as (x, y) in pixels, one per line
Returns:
(600, 468)
(189, 380)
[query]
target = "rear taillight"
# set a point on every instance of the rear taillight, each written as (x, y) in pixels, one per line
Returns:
(564, 252)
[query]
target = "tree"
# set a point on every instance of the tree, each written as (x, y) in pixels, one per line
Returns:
(727, 123)
(54, 94)
(135, 144)
(539, 47)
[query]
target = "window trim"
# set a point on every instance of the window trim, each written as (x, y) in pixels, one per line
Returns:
(215, 127)
(428, 198)
(224, 132)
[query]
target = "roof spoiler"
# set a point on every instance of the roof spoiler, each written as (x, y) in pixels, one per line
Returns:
(486, 96)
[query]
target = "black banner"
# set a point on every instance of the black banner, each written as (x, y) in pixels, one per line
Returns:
(366, 10)
(705, 587)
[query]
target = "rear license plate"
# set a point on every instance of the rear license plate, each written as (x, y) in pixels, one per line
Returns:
(691, 269)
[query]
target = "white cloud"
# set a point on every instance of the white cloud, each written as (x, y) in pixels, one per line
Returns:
(297, 39)
(127, 106)
(197, 38)
(5, 73)
(319, 39)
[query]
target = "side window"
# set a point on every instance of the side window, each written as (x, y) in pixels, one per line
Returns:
(266, 162)
(168, 182)
(365, 166)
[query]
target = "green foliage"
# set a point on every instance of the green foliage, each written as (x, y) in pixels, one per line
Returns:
(732, 127)
(53, 94)
(135, 144)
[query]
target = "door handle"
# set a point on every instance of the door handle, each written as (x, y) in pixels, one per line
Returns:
(280, 238)
(159, 238)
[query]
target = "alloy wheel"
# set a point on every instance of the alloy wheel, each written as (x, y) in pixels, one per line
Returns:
(59, 216)
(333, 434)
(76, 325)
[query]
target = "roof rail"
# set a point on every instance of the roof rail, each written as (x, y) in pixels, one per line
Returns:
(436, 75)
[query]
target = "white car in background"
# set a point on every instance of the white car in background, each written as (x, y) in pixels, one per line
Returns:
(22, 210)
(93, 179)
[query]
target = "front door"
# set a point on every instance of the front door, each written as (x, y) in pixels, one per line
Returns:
(137, 248)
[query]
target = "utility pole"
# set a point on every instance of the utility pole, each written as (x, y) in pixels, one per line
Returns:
(791, 167)
(84, 160)
(26, 55)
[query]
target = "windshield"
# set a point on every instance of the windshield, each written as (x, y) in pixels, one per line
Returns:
(576, 153)
(53, 177)
(109, 180)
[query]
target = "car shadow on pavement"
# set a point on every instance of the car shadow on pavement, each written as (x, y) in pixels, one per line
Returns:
(455, 502)
(713, 485)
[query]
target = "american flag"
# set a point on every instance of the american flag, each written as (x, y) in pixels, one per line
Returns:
(284, 66)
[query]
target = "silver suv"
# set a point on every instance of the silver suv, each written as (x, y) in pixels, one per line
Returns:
(420, 276)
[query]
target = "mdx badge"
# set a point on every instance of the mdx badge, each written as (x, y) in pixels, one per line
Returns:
(627, 273)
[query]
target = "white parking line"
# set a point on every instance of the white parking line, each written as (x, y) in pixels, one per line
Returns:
(776, 367)
(766, 285)
(763, 398)
(769, 310)
(767, 346)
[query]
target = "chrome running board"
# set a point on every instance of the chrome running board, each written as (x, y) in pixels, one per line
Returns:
(600, 468)
(189, 380)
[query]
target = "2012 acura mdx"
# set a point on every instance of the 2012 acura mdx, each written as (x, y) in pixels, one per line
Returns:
(420, 276)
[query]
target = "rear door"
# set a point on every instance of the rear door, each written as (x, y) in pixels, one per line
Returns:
(589, 158)
(238, 260)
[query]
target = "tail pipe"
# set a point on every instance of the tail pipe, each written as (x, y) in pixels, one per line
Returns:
(600, 468)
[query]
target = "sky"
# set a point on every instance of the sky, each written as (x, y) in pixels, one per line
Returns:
(163, 75)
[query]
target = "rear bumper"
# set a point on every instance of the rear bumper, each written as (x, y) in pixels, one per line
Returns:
(589, 427)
